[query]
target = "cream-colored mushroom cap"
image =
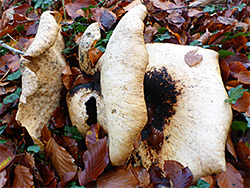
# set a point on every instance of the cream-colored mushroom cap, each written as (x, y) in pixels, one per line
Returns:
(196, 130)
(123, 66)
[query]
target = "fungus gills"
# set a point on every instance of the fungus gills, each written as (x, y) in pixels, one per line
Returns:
(161, 96)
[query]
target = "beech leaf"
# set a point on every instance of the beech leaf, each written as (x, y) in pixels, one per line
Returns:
(61, 160)
(96, 158)
(230, 178)
(92, 134)
(141, 175)
(3, 177)
(119, 178)
(66, 179)
(46, 173)
(171, 168)
(235, 94)
(183, 178)
(192, 58)
(6, 157)
(23, 177)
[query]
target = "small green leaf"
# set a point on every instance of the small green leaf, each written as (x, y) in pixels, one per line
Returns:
(235, 94)
(162, 30)
(225, 53)
(14, 75)
(2, 129)
(162, 37)
(80, 28)
(1, 105)
(202, 184)
(33, 149)
(19, 28)
(72, 132)
(247, 145)
(2, 141)
(12, 97)
(239, 126)
(209, 8)
(195, 43)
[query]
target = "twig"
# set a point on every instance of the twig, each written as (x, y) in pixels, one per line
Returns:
(18, 52)
(64, 11)
(16, 42)
(25, 21)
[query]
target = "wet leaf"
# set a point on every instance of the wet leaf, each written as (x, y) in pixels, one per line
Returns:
(171, 168)
(192, 58)
(243, 153)
(96, 158)
(23, 177)
(61, 160)
(6, 157)
(58, 117)
(119, 178)
(72, 147)
(230, 178)
(92, 134)
(183, 178)
(69, 176)
(45, 134)
(243, 76)
(46, 173)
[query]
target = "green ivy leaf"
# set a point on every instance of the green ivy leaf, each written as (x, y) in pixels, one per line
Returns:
(2, 129)
(33, 149)
(2, 141)
(235, 94)
(12, 97)
(195, 43)
(14, 75)
(202, 184)
(225, 53)
(72, 132)
(239, 126)
(209, 8)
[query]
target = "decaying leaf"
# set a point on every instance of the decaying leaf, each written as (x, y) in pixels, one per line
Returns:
(230, 178)
(171, 168)
(96, 158)
(92, 135)
(23, 177)
(66, 179)
(41, 68)
(183, 178)
(242, 103)
(142, 175)
(230, 146)
(243, 153)
(3, 177)
(47, 174)
(192, 58)
(6, 157)
(119, 178)
(62, 161)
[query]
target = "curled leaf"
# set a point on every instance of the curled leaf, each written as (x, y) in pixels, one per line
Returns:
(6, 157)
(183, 178)
(171, 168)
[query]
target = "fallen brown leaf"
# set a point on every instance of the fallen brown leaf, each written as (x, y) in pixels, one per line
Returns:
(61, 160)
(192, 58)
(23, 177)
(242, 103)
(183, 178)
(230, 178)
(171, 168)
(141, 175)
(92, 134)
(243, 76)
(243, 153)
(96, 158)
(230, 146)
(119, 178)
(6, 157)
(66, 179)
(47, 174)
(3, 177)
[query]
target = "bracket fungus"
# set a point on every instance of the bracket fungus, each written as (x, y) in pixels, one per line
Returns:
(41, 68)
(188, 100)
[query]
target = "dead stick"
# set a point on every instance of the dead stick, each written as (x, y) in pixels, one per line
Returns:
(18, 52)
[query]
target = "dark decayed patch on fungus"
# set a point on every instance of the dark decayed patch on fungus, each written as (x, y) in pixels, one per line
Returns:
(161, 93)
(88, 85)
(91, 111)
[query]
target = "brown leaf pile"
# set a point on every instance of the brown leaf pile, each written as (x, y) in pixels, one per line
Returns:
(68, 158)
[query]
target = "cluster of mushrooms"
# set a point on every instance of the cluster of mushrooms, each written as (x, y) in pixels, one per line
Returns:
(188, 100)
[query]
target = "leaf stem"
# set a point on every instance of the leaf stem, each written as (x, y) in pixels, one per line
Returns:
(18, 52)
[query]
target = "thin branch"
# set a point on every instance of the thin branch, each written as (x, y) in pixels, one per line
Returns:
(15, 42)
(25, 21)
(64, 11)
(18, 52)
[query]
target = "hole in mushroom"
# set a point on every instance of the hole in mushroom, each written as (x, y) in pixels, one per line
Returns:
(160, 95)
(91, 111)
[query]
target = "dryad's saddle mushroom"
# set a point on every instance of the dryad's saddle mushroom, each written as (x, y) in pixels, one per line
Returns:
(41, 68)
(189, 100)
